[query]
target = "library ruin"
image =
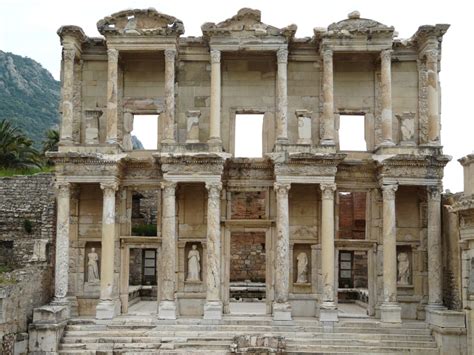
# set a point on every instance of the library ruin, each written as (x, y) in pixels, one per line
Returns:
(307, 234)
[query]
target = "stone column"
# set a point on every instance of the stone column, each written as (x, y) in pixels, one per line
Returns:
(169, 131)
(432, 97)
(390, 309)
(213, 306)
(109, 305)
(62, 242)
(328, 309)
(167, 306)
(69, 55)
(327, 119)
(281, 306)
(386, 96)
(435, 283)
(282, 97)
(112, 95)
(215, 119)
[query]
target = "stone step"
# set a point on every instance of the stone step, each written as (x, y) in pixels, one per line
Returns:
(330, 349)
(363, 342)
(130, 352)
(214, 345)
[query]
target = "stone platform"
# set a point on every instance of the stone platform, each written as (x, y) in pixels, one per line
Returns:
(147, 334)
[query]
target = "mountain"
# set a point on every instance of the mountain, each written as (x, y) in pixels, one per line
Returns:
(29, 95)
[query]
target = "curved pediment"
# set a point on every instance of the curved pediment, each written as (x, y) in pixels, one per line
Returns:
(354, 23)
(140, 22)
(246, 23)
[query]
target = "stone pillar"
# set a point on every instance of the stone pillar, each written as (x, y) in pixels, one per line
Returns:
(167, 306)
(435, 283)
(192, 126)
(109, 305)
(215, 119)
(327, 119)
(386, 96)
(69, 55)
(390, 309)
(213, 306)
(62, 242)
(281, 306)
(282, 97)
(112, 95)
(432, 97)
(328, 309)
(169, 131)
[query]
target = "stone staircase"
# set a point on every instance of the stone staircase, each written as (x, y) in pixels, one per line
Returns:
(141, 335)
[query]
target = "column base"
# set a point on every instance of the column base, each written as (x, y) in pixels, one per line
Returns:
(387, 143)
(281, 311)
(167, 310)
(329, 142)
(213, 310)
(215, 144)
(107, 309)
(390, 313)
(328, 312)
(432, 310)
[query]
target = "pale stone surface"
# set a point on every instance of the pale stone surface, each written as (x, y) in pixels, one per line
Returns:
(92, 266)
(433, 99)
(169, 131)
(327, 119)
(435, 290)
(403, 269)
(69, 55)
(62, 241)
(128, 128)
(92, 126)
(386, 94)
(215, 109)
(282, 96)
(304, 126)
(112, 95)
(192, 126)
(194, 264)
(302, 268)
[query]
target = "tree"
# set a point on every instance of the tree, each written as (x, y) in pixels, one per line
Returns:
(16, 150)
(50, 143)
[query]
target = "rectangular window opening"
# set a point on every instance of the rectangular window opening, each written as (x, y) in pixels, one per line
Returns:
(248, 135)
(352, 132)
(145, 132)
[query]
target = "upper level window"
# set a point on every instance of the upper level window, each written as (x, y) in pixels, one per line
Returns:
(145, 132)
(248, 135)
(352, 132)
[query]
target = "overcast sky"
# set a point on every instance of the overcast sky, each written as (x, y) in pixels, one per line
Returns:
(28, 28)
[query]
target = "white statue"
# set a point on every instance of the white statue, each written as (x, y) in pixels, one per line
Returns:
(92, 267)
(403, 269)
(194, 266)
(302, 268)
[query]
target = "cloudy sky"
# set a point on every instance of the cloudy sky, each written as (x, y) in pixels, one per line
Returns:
(28, 28)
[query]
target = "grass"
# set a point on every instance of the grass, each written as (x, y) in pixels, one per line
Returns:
(4, 280)
(7, 172)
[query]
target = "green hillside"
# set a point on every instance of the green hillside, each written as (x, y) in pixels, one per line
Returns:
(29, 95)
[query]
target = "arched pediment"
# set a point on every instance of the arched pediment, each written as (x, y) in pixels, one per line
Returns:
(354, 23)
(140, 22)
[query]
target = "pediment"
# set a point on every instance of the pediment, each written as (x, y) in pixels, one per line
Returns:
(140, 22)
(354, 23)
(246, 23)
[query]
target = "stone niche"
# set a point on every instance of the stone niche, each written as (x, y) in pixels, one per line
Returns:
(405, 269)
(91, 286)
(302, 263)
(188, 251)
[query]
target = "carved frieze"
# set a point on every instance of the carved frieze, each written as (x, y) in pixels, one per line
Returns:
(205, 164)
(413, 166)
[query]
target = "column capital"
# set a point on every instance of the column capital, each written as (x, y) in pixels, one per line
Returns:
(386, 55)
(63, 188)
(112, 54)
(215, 56)
(328, 191)
(281, 188)
(170, 55)
(327, 54)
(214, 187)
(282, 55)
(169, 187)
(109, 186)
(388, 191)
(69, 54)
(434, 192)
(431, 55)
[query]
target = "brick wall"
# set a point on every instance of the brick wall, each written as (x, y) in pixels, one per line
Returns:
(247, 250)
(352, 207)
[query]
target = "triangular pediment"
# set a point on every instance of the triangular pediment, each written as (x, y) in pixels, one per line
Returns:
(246, 23)
(140, 22)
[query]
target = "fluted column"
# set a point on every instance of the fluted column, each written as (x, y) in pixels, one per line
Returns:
(327, 121)
(215, 119)
(62, 242)
(386, 96)
(169, 130)
(432, 97)
(390, 309)
(167, 306)
(328, 309)
(109, 305)
(69, 55)
(435, 284)
(281, 306)
(282, 96)
(112, 95)
(213, 306)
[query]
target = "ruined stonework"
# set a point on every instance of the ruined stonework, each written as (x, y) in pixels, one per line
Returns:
(370, 219)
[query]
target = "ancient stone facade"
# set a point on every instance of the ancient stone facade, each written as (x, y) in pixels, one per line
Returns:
(294, 196)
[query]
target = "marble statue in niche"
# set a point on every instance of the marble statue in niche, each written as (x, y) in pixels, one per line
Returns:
(194, 266)
(403, 269)
(92, 266)
(302, 268)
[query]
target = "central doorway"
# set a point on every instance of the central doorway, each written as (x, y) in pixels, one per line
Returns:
(247, 273)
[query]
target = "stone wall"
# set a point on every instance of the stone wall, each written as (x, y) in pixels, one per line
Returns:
(247, 251)
(352, 209)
